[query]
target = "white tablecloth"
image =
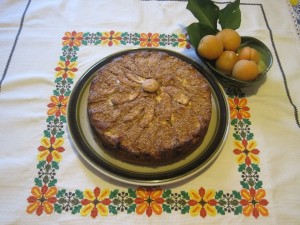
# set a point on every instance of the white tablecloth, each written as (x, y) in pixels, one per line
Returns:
(255, 177)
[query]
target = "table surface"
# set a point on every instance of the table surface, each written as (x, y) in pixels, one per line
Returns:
(46, 47)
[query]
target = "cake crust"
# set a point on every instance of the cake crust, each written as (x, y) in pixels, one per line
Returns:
(149, 107)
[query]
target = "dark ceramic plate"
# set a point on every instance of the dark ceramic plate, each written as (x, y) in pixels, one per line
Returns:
(89, 148)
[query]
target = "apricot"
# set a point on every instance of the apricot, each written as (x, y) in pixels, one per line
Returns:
(245, 70)
(249, 54)
(230, 38)
(210, 47)
(226, 61)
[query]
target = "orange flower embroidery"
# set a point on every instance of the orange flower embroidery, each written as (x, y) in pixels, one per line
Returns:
(50, 149)
(246, 152)
(42, 200)
(95, 202)
(183, 42)
(111, 38)
(202, 202)
(58, 105)
(238, 108)
(66, 69)
(149, 200)
(253, 202)
(71, 39)
(149, 40)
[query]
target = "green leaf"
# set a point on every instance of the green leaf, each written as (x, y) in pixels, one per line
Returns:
(52, 183)
(242, 167)
(113, 194)
(113, 209)
(219, 195)
(41, 164)
(185, 195)
(205, 11)
(255, 167)
(250, 136)
(61, 193)
(244, 185)
(79, 194)
(230, 16)
(47, 134)
(63, 119)
(236, 194)
(55, 165)
(237, 137)
(220, 210)
(76, 209)
(247, 121)
(185, 209)
(57, 208)
(166, 193)
(131, 208)
(238, 210)
(167, 208)
(258, 185)
(132, 193)
(196, 31)
(60, 134)
(38, 182)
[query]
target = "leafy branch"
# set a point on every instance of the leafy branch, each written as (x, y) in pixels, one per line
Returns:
(209, 15)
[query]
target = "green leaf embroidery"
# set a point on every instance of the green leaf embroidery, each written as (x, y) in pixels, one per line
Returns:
(230, 16)
(185, 209)
(76, 209)
(131, 208)
(219, 195)
(113, 194)
(258, 185)
(244, 185)
(79, 194)
(242, 167)
(238, 210)
(132, 193)
(236, 194)
(47, 133)
(52, 183)
(55, 165)
(167, 208)
(220, 210)
(38, 182)
(60, 134)
(41, 164)
(60, 193)
(58, 208)
(113, 209)
(237, 137)
(185, 195)
(166, 193)
(255, 167)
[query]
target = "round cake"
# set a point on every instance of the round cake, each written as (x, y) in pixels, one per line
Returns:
(148, 107)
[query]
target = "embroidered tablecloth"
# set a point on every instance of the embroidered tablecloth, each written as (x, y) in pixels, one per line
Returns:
(47, 46)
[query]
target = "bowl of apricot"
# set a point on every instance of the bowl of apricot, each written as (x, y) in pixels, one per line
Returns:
(239, 61)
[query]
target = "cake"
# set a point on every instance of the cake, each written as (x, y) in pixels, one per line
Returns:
(149, 107)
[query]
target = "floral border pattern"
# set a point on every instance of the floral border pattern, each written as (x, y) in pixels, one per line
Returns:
(45, 197)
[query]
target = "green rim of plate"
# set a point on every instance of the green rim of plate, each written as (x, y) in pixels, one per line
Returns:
(92, 152)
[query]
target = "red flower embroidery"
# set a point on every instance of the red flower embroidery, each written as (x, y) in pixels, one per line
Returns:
(42, 200)
(50, 149)
(149, 200)
(58, 105)
(253, 202)
(149, 40)
(238, 108)
(111, 38)
(202, 202)
(246, 152)
(71, 39)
